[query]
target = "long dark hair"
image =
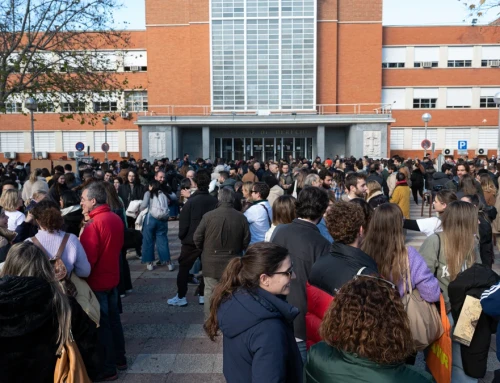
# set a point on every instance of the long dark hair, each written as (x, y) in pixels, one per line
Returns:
(260, 258)
(112, 198)
(155, 188)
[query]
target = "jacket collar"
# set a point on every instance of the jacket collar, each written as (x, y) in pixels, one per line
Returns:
(71, 209)
(353, 255)
(305, 224)
(275, 303)
(225, 205)
(100, 209)
(359, 360)
(378, 192)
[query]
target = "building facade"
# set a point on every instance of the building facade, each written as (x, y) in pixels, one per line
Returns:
(279, 78)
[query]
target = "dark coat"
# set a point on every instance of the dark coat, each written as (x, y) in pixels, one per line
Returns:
(193, 211)
(474, 281)
(439, 180)
(327, 364)
(417, 179)
(486, 241)
(128, 194)
(28, 332)
(259, 344)
(305, 245)
(222, 234)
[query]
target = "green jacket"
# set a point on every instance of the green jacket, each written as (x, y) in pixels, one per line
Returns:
(326, 364)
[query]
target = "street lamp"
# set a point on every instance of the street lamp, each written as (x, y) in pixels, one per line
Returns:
(105, 121)
(31, 105)
(426, 117)
(496, 98)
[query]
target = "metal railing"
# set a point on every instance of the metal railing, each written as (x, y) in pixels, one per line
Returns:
(320, 109)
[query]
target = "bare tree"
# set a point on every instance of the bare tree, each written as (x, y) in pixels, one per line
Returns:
(60, 51)
(480, 7)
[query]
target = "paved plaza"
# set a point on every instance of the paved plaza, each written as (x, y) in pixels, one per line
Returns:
(168, 344)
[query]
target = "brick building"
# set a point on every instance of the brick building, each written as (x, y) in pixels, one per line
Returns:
(273, 78)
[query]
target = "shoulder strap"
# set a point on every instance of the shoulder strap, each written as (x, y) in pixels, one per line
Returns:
(268, 218)
(439, 251)
(360, 271)
(37, 243)
(62, 246)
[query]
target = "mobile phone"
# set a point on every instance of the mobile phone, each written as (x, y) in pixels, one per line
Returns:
(31, 205)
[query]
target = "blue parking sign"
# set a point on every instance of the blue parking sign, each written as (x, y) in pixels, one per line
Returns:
(462, 145)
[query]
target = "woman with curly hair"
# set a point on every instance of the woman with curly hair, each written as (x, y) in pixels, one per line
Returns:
(248, 307)
(50, 236)
(366, 337)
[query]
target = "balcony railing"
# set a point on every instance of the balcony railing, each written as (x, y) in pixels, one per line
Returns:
(320, 109)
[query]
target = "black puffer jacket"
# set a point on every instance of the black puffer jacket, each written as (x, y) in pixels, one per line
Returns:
(474, 281)
(28, 332)
(128, 194)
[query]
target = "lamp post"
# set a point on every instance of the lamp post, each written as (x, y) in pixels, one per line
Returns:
(31, 105)
(105, 121)
(426, 117)
(496, 98)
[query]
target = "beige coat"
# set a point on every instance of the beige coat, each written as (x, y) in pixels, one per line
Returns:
(275, 192)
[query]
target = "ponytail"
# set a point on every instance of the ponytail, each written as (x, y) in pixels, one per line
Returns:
(229, 282)
(243, 272)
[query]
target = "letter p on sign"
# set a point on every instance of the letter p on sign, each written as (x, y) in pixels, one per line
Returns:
(462, 145)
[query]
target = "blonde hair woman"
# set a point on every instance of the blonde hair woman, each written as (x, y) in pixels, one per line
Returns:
(10, 201)
(489, 189)
(375, 197)
(246, 189)
(406, 172)
(450, 252)
(35, 183)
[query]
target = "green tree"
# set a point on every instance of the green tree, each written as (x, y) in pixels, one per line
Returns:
(60, 51)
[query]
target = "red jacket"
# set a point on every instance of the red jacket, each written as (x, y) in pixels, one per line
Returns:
(102, 240)
(318, 302)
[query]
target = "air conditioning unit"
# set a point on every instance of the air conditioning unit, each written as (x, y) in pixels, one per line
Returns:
(42, 155)
(124, 154)
(448, 152)
(135, 68)
(10, 155)
(427, 64)
(494, 63)
(482, 152)
(71, 154)
(124, 115)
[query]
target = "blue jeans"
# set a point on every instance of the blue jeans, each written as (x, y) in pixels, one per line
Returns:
(110, 331)
(153, 231)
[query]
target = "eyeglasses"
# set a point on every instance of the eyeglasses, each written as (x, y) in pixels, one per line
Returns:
(377, 278)
(289, 272)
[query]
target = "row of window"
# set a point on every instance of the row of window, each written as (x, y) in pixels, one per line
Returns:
(134, 102)
(486, 138)
(127, 61)
(431, 57)
(432, 98)
(46, 141)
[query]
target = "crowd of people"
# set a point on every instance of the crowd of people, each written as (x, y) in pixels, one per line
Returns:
(301, 265)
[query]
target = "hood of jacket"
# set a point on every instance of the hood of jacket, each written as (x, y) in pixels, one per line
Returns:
(71, 209)
(377, 193)
(440, 176)
(246, 309)
(25, 305)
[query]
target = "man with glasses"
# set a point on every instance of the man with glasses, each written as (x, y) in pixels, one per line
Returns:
(260, 214)
(305, 245)
(345, 222)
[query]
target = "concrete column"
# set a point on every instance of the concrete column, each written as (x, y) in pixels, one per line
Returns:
(320, 142)
(443, 57)
(122, 142)
(58, 135)
(205, 137)
(476, 96)
(441, 101)
(175, 142)
(477, 56)
(407, 138)
(409, 98)
(441, 138)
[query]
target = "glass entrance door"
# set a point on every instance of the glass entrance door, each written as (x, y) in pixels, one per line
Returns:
(269, 149)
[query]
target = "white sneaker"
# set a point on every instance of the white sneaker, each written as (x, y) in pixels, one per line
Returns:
(171, 267)
(201, 300)
(150, 266)
(176, 301)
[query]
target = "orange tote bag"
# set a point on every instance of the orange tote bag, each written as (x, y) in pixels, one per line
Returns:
(439, 357)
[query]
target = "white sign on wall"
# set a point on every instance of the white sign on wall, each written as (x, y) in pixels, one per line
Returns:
(157, 145)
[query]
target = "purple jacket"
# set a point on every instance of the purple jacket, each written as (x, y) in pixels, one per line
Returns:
(421, 278)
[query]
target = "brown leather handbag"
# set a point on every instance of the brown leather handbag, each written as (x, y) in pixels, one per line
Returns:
(70, 367)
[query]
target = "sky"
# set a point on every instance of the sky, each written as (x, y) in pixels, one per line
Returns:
(396, 12)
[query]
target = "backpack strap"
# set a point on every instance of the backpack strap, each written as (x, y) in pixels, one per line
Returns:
(360, 271)
(62, 246)
(37, 243)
